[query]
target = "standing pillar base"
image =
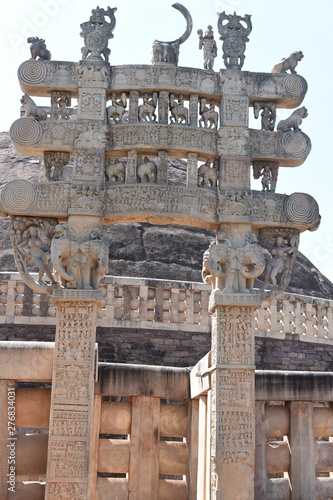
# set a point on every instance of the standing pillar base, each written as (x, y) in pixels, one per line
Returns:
(72, 398)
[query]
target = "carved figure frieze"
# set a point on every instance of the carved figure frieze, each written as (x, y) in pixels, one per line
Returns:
(233, 141)
(115, 170)
(29, 251)
(96, 33)
(179, 114)
(232, 269)
(86, 199)
(116, 111)
(38, 49)
(146, 170)
(235, 203)
(92, 104)
(147, 109)
(282, 247)
(168, 52)
(55, 162)
(268, 114)
(52, 199)
(31, 109)
(92, 135)
(208, 175)
(209, 117)
(80, 265)
(60, 104)
(234, 82)
(288, 63)
(234, 35)
(93, 75)
(293, 121)
(268, 171)
(208, 44)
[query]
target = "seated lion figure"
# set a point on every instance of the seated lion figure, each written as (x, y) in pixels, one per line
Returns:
(294, 120)
(288, 63)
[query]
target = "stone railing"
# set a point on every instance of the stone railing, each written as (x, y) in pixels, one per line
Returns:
(171, 305)
(152, 431)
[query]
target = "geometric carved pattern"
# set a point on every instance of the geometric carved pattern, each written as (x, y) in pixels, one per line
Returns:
(18, 195)
(301, 208)
(32, 72)
(294, 85)
(295, 144)
(26, 131)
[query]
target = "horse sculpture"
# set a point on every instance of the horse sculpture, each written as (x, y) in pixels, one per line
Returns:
(117, 109)
(38, 49)
(208, 114)
(179, 114)
(31, 109)
(147, 109)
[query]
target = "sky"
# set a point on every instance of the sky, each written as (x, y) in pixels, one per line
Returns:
(279, 28)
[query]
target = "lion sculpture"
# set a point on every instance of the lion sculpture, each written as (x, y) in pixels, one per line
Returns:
(288, 63)
(294, 120)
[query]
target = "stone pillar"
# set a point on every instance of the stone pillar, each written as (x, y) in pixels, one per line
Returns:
(162, 167)
(192, 170)
(260, 474)
(193, 110)
(72, 399)
(132, 162)
(163, 107)
(232, 416)
(133, 108)
(302, 444)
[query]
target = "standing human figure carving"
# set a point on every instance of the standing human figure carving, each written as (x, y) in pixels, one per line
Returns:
(209, 46)
(276, 264)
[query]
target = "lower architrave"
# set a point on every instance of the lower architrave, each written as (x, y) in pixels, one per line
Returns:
(72, 398)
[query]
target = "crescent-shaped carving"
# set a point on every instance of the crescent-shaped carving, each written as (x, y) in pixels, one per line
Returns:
(189, 23)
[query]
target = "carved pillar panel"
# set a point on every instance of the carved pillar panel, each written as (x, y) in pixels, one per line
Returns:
(89, 166)
(162, 167)
(193, 110)
(132, 161)
(192, 170)
(72, 394)
(235, 173)
(133, 109)
(233, 400)
(235, 111)
(92, 104)
(163, 107)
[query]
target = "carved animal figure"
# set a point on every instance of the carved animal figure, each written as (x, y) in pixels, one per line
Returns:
(168, 52)
(115, 171)
(146, 171)
(207, 175)
(116, 111)
(147, 109)
(209, 117)
(288, 63)
(38, 49)
(179, 114)
(31, 109)
(294, 120)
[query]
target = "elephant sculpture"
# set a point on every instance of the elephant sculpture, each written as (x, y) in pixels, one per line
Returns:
(207, 175)
(79, 265)
(115, 171)
(146, 171)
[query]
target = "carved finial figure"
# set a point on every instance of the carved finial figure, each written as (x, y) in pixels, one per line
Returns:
(294, 120)
(96, 33)
(31, 109)
(147, 109)
(277, 262)
(208, 44)
(266, 180)
(168, 52)
(234, 36)
(38, 49)
(207, 175)
(209, 117)
(179, 114)
(60, 102)
(30, 248)
(54, 162)
(116, 111)
(288, 63)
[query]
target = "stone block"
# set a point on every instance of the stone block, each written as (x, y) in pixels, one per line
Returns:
(33, 408)
(113, 456)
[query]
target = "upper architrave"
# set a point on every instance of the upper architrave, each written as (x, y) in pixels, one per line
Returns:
(287, 90)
